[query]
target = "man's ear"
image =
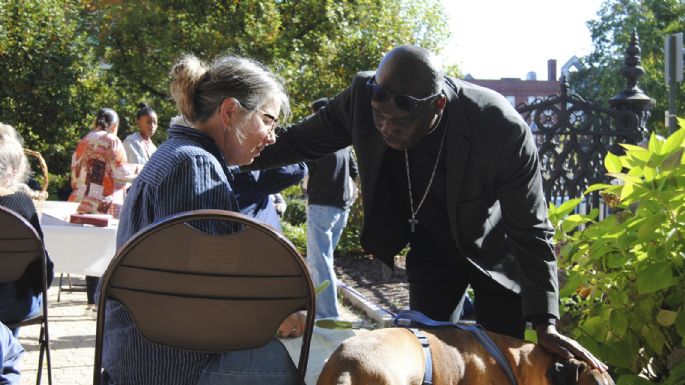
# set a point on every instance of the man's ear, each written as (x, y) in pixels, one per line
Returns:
(441, 102)
(565, 372)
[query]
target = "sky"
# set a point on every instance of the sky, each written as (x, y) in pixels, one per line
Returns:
(493, 39)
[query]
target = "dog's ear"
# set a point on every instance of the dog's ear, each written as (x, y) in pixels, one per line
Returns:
(565, 372)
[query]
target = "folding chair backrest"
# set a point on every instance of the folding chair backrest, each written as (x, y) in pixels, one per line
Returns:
(20, 245)
(212, 293)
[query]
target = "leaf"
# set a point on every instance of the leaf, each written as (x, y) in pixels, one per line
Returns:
(567, 207)
(674, 141)
(673, 160)
(573, 221)
(636, 151)
(665, 317)
(625, 177)
(618, 322)
(655, 143)
(655, 339)
(612, 163)
(680, 324)
(322, 286)
(333, 324)
(646, 231)
(596, 187)
(655, 277)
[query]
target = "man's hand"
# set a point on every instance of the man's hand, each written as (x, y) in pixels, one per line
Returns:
(293, 326)
(554, 342)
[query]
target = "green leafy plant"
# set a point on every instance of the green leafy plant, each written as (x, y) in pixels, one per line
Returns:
(622, 290)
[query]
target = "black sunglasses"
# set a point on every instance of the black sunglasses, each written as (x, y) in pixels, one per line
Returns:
(403, 102)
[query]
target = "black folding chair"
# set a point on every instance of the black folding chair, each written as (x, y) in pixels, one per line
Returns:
(20, 245)
(252, 271)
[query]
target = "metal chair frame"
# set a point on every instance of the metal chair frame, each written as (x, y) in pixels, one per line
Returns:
(249, 270)
(20, 245)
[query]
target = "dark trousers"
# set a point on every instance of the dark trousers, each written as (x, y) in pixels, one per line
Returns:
(91, 286)
(438, 278)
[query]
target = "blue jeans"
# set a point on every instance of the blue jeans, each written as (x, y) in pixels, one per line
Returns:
(10, 356)
(325, 224)
(269, 364)
(13, 309)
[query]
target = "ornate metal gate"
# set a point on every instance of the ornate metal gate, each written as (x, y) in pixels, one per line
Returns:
(574, 135)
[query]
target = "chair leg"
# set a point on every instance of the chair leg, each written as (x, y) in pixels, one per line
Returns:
(47, 354)
(44, 342)
(39, 371)
(59, 288)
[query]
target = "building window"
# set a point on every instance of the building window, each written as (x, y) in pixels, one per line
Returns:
(512, 100)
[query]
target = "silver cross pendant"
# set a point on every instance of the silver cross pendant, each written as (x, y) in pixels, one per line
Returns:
(412, 223)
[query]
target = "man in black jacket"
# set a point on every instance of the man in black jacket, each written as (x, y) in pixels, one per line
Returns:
(450, 168)
(330, 194)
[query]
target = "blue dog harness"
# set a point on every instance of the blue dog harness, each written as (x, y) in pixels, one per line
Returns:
(410, 318)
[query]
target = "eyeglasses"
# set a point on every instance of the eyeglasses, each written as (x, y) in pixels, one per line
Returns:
(403, 102)
(268, 119)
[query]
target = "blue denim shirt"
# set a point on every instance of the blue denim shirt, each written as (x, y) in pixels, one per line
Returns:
(187, 172)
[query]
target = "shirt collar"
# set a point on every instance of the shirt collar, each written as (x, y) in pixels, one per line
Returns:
(206, 142)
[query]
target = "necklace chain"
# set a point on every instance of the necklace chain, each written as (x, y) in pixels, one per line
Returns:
(413, 221)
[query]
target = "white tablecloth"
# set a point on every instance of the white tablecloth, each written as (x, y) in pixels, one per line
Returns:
(77, 249)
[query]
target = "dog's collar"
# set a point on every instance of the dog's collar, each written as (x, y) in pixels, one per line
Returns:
(408, 318)
(428, 373)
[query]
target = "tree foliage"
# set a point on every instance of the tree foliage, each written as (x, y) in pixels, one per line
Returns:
(64, 59)
(610, 31)
(315, 45)
(52, 83)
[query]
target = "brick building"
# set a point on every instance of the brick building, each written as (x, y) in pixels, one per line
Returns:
(519, 91)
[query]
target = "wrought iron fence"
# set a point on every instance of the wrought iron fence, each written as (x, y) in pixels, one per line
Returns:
(573, 135)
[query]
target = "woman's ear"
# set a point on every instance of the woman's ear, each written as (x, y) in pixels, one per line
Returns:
(227, 111)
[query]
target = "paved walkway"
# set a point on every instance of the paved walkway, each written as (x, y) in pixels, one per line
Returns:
(72, 341)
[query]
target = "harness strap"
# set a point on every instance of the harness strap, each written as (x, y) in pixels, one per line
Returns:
(428, 373)
(407, 318)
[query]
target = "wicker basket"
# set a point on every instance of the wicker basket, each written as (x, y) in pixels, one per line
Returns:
(39, 197)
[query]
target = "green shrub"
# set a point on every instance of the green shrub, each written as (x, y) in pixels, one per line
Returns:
(296, 213)
(623, 292)
(297, 235)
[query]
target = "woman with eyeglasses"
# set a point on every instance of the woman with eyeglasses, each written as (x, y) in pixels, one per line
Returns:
(229, 110)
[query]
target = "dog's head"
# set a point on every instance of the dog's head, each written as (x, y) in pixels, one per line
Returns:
(574, 372)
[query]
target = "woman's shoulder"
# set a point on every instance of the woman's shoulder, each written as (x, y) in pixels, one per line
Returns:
(19, 203)
(132, 138)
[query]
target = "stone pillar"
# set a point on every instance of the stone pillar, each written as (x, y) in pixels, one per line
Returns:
(632, 99)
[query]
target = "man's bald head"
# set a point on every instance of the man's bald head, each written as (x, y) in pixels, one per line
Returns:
(410, 70)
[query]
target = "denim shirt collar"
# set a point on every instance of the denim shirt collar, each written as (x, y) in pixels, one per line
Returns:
(206, 142)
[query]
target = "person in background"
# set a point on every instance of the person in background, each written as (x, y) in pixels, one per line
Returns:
(139, 146)
(450, 169)
(330, 194)
(10, 357)
(230, 109)
(99, 176)
(255, 191)
(21, 299)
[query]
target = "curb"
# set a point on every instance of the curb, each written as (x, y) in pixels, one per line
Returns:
(382, 317)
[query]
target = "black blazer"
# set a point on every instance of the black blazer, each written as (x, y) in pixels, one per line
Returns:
(496, 207)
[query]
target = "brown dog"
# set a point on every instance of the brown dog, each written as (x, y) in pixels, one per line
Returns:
(394, 356)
